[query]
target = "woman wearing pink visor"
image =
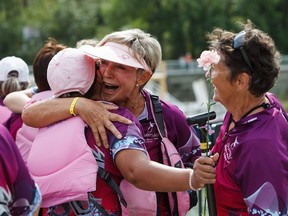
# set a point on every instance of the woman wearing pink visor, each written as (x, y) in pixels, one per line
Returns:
(116, 53)
(127, 59)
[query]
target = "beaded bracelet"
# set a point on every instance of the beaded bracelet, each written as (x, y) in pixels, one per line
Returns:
(72, 106)
(190, 182)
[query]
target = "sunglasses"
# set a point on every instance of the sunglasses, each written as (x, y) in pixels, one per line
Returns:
(238, 43)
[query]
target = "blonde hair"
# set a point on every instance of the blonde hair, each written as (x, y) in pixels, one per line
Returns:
(142, 44)
(92, 42)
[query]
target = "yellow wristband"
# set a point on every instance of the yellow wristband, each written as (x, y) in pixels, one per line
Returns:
(72, 106)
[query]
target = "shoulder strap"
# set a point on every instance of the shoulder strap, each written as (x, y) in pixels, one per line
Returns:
(157, 115)
(107, 177)
(170, 154)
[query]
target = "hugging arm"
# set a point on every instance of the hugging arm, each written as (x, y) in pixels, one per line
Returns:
(145, 174)
(95, 114)
(16, 101)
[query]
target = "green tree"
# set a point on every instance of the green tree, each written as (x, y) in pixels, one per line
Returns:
(10, 27)
(270, 16)
(179, 25)
(65, 20)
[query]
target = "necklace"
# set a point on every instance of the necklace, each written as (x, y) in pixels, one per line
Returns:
(226, 135)
(264, 105)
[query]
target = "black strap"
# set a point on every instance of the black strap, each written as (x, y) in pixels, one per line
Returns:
(79, 210)
(157, 108)
(106, 176)
(98, 206)
(264, 105)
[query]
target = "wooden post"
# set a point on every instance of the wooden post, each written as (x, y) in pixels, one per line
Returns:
(160, 76)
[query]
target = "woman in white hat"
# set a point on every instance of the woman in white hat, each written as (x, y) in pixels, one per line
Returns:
(14, 76)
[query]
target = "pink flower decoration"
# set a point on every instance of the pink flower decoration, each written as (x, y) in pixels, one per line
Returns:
(207, 59)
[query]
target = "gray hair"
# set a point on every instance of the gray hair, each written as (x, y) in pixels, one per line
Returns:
(261, 50)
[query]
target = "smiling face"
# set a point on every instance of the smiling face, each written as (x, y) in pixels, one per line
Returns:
(118, 83)
(224, 90)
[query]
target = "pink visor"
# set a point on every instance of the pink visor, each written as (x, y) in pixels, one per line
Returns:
(115, 52)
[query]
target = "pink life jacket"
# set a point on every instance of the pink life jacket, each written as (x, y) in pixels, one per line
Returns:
(139, 202)
(26, 135)
(142, 203)
(62, 164)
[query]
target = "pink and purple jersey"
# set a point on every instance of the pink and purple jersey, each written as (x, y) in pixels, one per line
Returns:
(252, 171)
(180, 134)
(132, 139)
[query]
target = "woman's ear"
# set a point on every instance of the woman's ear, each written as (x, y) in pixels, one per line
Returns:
(144, 78)
(243, 80)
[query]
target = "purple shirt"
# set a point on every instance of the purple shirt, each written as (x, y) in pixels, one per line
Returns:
(132, 139)
(13, 124)
(5, 112)
(179, 132)
(252, 171)
(17, 188)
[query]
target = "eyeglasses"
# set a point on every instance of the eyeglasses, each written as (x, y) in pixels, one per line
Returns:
(238, 43)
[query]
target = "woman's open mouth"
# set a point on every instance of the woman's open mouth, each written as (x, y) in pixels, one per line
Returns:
(110, 88)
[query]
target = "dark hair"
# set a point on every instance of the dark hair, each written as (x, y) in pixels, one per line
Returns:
(41, 62)
(261, 52)
(89, 94)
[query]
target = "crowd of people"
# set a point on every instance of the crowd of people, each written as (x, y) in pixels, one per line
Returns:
(90, 139)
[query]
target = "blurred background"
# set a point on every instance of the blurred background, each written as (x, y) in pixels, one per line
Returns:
(179, 25)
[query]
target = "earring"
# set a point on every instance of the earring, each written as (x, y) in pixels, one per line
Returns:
(137, 85)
